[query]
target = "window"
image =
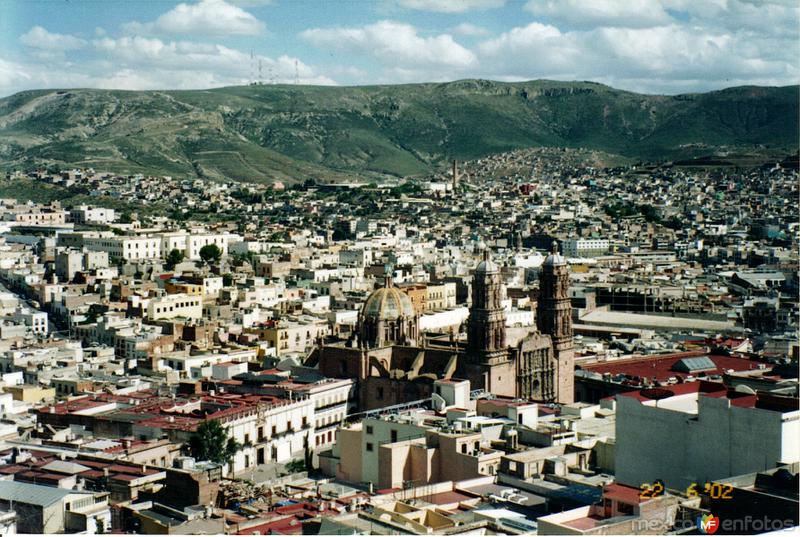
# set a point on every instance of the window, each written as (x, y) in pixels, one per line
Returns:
(369, 446)
(463, 448)
(379, 393)
(369, 429)
(625, 508)
(394, 435)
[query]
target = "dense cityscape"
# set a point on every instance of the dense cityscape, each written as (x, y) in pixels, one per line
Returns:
(400, 267)
(531, 342)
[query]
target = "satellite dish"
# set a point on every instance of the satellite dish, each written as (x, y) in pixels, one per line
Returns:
(742, 388)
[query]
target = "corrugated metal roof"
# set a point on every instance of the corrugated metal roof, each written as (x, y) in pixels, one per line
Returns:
(33, 494)
(691, 365)
(65, 467)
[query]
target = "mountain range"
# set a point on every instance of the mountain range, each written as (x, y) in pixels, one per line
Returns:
(267, 133)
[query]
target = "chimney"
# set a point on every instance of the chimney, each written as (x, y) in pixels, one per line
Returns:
(105, 472)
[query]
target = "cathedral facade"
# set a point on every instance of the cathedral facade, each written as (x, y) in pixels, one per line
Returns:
(393, 363)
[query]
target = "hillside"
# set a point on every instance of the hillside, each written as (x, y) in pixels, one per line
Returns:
(290, 133)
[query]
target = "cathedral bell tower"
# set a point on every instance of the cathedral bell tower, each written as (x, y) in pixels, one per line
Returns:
(554, 318)
(486, 325)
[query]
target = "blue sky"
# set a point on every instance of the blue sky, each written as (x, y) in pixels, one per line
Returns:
(652, 46)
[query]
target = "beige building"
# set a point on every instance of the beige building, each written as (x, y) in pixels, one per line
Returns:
(293, 336)
(174, 306)
(41, 218)
(440, 296)
(418, 446)
(622, 512)
(29, 393)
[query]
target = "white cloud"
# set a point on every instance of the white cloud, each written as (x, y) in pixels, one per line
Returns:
(451, 6)
(617, 13)
(218, 62)
(762, 16)
(39, 38)
(664, 58)
(141, 63)
(393, 43)
(470, 30)
(207, 17)
(251, 3)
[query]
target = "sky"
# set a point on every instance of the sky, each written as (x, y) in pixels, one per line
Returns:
(648, 46)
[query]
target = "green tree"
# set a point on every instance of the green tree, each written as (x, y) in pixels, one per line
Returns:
(173, 258)
(210, 442)
(210, 253)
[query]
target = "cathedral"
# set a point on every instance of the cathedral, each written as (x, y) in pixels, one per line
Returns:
(393, 363)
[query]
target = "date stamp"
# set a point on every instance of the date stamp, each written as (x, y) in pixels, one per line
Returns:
(716, 491)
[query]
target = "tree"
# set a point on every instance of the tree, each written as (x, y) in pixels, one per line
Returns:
(173, 258)
(210, 253)
(308, 455)
(210, 442)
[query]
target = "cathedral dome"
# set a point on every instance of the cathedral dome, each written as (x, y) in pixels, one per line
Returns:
(388, 304)
(555, 259)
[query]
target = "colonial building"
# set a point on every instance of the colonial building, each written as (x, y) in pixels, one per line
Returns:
(393, 363)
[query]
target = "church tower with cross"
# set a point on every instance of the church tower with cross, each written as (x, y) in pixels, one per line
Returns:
(554, 318)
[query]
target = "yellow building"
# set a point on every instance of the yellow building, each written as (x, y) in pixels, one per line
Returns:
(173, 287)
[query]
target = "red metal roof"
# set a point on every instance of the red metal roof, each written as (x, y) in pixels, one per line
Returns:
(660, 366)
(622, 493)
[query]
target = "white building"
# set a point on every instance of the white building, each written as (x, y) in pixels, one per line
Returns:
(127, 248)
(584, 247)
(271, 433)
(34, 319)
(332, 399)
(702, 433)
(85, 214)
(195, 242)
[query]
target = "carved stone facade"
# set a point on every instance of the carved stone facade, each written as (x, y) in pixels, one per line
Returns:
(536, 370)
(486, 325)
(554, 318)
